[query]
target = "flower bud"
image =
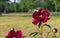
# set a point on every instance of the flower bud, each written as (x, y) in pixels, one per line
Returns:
(54, 30)
(11, 33)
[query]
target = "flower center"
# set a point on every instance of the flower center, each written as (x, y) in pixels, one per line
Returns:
(41, 16)
(13, 37)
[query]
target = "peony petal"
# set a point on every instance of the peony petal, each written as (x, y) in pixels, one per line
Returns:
(8, 37)
(35, 15)
(35, 21)
(45, 16)
(18, 34)
(11, 33)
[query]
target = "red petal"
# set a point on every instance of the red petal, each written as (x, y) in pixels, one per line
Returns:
(18, 34)
(35, 15)
(35, 22)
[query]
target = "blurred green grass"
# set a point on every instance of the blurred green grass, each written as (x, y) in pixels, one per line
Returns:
(25, 24)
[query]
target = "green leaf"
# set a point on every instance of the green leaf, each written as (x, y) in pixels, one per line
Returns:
(33, 34)
(39, 24)
(54, 36)
(47, 25)
(23, 36)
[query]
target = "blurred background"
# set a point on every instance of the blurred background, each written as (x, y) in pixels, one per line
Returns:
(12, 6)
(18, 14)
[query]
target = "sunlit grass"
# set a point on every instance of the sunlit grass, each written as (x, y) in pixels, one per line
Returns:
(24, 24)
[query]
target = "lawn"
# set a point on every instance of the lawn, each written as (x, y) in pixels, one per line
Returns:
(24, 24)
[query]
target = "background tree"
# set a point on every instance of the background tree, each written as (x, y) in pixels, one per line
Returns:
(26, 5)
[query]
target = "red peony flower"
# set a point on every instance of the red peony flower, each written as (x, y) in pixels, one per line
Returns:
(18, 34)
(11, 34)
(41, 15)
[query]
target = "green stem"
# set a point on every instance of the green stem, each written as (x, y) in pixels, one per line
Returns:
(41, 31)
(54, 35)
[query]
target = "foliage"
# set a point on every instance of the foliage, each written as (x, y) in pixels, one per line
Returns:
(26, 5)
(34, 34)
